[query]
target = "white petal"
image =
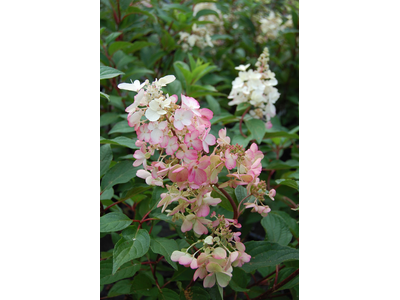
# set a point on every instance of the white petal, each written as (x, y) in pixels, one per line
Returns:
(152, 115)
(166, 79)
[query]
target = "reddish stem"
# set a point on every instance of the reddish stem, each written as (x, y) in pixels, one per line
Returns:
(235, 212)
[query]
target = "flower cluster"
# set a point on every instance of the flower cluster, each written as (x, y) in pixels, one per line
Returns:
(220, 252)
(257, 88)
(181, 134)
(201, 35)
(271, 25)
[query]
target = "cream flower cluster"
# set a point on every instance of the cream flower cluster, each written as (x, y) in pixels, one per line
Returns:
(271, 25)
(201, 35)
(256, 88)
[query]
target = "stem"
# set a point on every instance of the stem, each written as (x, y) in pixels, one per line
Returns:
(238, 210)
(241, 121)
(264, 278)
(278, 286)
(269, 178)
(235, 209)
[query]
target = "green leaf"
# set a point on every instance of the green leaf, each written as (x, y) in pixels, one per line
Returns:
(105, 96)
(108, 118)
(112, 36)
(205, 12)
(214, 105)
(106, 157)
(283, 274)
(120, 288)
(224, 201)
(195, 293)
(288, 182)
(240, 193)
(135, 10)
(122, 172)
(167, 294)
(164, 247)
(257, 129)
(265, 254)
(276, 229)
(292, 223)
(279, 165)
(283, 134)
(127, 47)
(114, 221)
(126, 250)
(239, 280)
(121, 127)
(108, 72)
(120, 141)
(127, 270)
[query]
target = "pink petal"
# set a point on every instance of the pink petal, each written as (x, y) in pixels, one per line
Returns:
(199, 228)
(156, 136)
(186, 226)
(203, 211)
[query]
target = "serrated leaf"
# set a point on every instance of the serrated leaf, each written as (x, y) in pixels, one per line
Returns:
(167, 294)
(114, 221)
(257, 129)
(265, 254)
(122, 172)
(240, 193)
(276, 229)
(288, 182)
(127, 270)
(108, 72)
(106, 157)
(126, 250)
(120, 288)
(292, 223)
(164, 247)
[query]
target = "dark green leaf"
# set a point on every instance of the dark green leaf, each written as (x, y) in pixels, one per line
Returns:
(114, 221)
(276, 229)
(120, 288)
(195, 293)
(127, 270)
(167, 294)
(108, 118)
(265, 254)
(279, 165)
(106, 157)
(121, 141)
(108, 72)
(205, 12)
(164, 247)
(122, 172)
(289, 182)
(126, 250)
(239, 280)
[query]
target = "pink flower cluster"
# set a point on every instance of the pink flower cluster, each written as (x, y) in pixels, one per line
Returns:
(181, 134)
(220, 252)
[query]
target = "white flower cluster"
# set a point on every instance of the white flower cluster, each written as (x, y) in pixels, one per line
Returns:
(200, 37)
(257, 88)
(217, 23)
(272, 25)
